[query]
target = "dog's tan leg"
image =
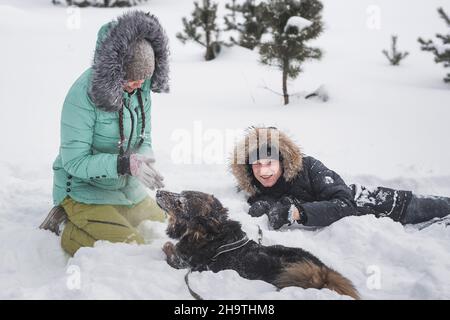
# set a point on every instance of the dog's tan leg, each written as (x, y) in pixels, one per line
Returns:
(169, 249)
(173, 259)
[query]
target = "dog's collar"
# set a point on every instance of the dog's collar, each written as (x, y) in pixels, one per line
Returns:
(230, 247)
(220, 250)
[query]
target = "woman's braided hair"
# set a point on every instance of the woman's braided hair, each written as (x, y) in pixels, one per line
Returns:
(121, 131)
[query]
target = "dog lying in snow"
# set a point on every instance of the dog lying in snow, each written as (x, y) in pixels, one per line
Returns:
(208, 240)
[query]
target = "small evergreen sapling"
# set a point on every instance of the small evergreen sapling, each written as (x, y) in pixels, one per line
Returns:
(395, 57)
(202, 28)
(290, 25)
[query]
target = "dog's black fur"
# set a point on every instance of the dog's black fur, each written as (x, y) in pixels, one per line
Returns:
(201, 224)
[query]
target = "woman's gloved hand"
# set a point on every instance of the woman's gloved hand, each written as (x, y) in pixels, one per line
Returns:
(141, 167)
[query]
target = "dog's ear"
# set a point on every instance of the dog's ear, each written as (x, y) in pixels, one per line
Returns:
(175, 227)
(218, 209)
(201, 227)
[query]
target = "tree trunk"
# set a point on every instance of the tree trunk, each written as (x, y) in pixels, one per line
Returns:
(210, 54)
(234, 13)
(285, 91)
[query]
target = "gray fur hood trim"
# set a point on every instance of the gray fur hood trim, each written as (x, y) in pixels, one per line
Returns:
(114, 52)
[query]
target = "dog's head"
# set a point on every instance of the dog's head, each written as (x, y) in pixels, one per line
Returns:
(191, 212)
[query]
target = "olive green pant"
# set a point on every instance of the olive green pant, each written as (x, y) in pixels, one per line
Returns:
(88, 223)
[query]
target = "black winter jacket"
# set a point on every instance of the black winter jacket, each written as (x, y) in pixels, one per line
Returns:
(324, 197)
(320, 193)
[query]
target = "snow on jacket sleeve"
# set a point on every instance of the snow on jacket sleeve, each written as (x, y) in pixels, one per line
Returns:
(77, 130)
(334, 199)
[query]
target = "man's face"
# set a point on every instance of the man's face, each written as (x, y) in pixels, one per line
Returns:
(132, 85)
(267, 171)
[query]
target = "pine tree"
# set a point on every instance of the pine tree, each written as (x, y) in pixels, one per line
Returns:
(246, 20)
(290, 24)
(441, 52)
(395, 57)
(202, 28)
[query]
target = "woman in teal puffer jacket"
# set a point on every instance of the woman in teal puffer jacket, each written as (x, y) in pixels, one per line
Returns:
(105, 159)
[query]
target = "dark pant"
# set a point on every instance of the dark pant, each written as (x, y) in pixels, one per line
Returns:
(421, 209)
(399, 205)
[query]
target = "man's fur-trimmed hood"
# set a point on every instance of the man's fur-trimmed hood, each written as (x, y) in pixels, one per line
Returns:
(291, 156)
(114, 52)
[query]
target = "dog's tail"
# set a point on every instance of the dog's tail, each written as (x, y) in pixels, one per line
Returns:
(310, 275)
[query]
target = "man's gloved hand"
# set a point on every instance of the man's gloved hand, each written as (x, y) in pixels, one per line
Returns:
(259, 208)
(141, 167)
(278, 214)
(285, 211)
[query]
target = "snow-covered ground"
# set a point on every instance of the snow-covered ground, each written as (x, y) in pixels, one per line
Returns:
(382, 126)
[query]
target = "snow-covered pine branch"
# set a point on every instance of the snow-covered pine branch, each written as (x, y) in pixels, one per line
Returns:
(202, 28)
(245, 19)
(297, 22)
(441, 51)
(99, 3)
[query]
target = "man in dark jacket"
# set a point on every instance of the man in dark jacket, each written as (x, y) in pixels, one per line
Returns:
(293, 188)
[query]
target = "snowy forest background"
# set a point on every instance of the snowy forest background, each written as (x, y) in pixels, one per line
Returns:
(372, 122)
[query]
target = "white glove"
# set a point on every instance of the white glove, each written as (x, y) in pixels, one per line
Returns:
(142, 168)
